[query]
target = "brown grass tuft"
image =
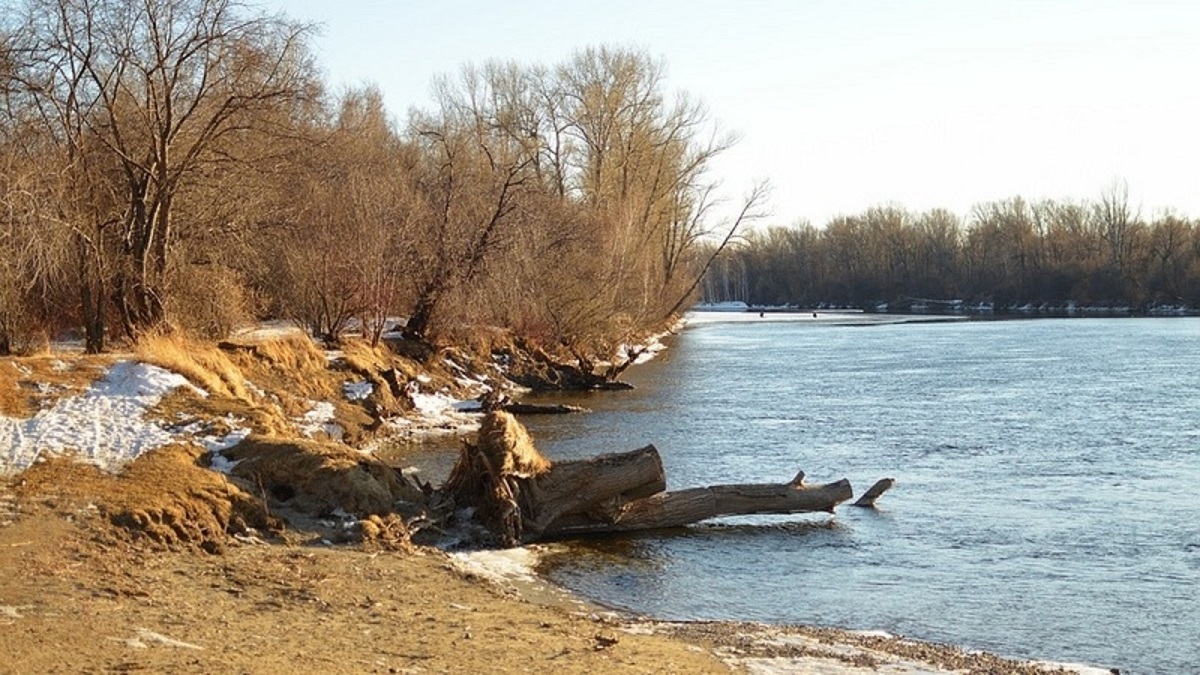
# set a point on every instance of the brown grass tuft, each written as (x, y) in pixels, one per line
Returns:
(317, 478)
(295, 353)
(361, 357)
(203, 364)
(292, 368)
(13, 403)
(509, 447)
(164, 496)
(28, 384)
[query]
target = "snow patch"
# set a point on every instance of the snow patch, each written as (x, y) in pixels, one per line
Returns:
(432, 405)
(270, 330)
(437, 414)
(357, 391)
(104, 425)
(222, 464)
(319, 419)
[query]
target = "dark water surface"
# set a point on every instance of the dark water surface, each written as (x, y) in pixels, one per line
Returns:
(1046, 503)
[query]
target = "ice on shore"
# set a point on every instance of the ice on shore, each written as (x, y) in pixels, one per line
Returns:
(503, 566)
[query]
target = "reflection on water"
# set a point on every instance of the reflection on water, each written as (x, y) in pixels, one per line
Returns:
(1044, 502)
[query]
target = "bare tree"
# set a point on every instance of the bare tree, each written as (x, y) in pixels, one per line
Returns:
(162, 88)
(750, 210)
(1118, 224)
(473, 176)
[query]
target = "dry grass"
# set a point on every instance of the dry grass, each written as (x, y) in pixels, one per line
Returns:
(295, 372)
(294, 353)
(317, 478)
(292, 368)
(202, 364)
(13, 403)
(164, 496)
(362, 357)
(509, 447)
(183, 407)
(30, 383)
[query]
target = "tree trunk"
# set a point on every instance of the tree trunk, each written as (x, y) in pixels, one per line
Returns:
(521, 497)
(683, 507)
(91, 296)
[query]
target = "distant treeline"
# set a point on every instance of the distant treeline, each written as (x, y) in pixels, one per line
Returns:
(1009, 254)
(181, 163)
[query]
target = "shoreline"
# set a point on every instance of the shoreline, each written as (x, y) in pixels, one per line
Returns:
(740, 645)
(762, 647)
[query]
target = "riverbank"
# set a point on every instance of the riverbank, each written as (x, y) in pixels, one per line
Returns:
(164, 564)
(77, 596)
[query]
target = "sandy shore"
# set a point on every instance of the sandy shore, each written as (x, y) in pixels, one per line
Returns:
(78, 596)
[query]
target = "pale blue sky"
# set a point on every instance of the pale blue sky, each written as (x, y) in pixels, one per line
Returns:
(846, 104)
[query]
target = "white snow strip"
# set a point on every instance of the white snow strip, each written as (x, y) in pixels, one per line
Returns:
(215, 443)
(222, 464)
(437, 414)
(104, 425)
(357, 391)
(218, 444)
(432, 405)
(318, 419)
(270, 330)
(162, 640)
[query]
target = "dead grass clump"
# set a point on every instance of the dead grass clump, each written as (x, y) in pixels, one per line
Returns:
(291, 368)
(489, 474)
(203, 364)
(318, 478)
(388, 374)
(13, 402)
(169, 498)
(361, 356)
(386, 533)
(217, 415)
(509, 448)
(294, 353)
(28, 384)
(164, 497)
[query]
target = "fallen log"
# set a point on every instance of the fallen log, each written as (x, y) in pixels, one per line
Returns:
(498, 400)
(521, 497)
(542, 408)
(683, 507)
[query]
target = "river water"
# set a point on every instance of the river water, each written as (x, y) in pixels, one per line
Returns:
(1045, 504)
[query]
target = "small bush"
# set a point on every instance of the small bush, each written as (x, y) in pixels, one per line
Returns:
(209, 301)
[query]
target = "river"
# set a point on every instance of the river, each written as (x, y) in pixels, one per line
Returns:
(1045, 504)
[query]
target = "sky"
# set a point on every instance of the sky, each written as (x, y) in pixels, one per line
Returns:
(847, 104)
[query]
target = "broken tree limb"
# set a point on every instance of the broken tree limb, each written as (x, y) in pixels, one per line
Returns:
(521, 497)
(543, 408)
(683, 507)
(874, 492)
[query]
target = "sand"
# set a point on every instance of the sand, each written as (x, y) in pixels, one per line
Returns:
(79, 594)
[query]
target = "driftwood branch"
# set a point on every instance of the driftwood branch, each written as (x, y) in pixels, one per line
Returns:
(521, 497)
(683, 507)
(874, 492)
